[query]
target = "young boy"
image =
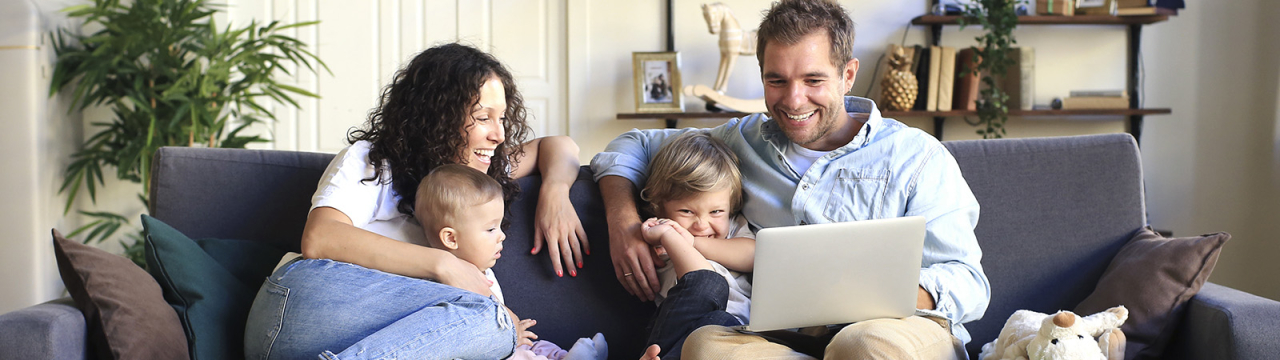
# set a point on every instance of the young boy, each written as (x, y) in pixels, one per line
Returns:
(695, 190)
(461, 211)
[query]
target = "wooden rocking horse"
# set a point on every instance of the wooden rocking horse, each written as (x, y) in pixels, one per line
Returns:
(733, 43)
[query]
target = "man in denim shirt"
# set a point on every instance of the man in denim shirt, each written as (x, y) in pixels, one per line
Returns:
(821, 157)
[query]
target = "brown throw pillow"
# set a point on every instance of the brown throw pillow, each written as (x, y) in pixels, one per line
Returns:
(126, 315)
(1154, 277)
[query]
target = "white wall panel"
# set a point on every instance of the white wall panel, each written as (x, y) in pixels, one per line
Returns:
(348, 42)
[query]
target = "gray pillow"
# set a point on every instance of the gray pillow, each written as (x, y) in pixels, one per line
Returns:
(126, 315)
(1154, 277)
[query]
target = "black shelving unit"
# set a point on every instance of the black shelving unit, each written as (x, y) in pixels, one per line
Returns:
(1134, 24)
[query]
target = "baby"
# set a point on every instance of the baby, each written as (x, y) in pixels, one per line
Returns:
(461, 211)
(695, 190)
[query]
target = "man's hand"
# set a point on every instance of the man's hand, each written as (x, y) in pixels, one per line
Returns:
(924, 300)
(461, 274)
(633, 260)
(558, 226)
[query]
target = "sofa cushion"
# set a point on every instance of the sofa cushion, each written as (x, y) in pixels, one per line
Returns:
(126, 315)
(1154, 277)
(211, 284)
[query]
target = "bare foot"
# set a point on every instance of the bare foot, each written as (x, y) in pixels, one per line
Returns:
(651, 353)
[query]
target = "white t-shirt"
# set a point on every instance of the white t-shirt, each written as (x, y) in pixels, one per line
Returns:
(371, 205)
(739, 304)
(801, 158)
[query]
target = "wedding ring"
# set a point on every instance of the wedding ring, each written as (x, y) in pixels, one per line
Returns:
(627, 274)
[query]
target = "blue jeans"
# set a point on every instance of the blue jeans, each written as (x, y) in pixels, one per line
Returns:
(314, 308)
(698, 299)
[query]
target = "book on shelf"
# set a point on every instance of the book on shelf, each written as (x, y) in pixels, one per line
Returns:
(921, 68)
(946, 77)
(1095, 102)
(1096, 7)
(935, 70)
(1019, 80)
(1149, 10)
(1123, 4)
(1097, 93)
(1055, 7)
(967, 80)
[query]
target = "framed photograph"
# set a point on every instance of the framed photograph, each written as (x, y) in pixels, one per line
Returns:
(657, 82)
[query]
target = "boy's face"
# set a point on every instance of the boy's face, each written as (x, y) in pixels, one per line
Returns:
(479, 234)
(704, 214)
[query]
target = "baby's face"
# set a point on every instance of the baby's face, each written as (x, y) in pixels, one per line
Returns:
(704, 214)
(480, 234)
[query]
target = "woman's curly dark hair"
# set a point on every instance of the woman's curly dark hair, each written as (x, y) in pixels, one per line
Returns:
(424, 112)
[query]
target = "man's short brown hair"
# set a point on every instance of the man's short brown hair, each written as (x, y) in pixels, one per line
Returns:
(788, 21)
(447, 192)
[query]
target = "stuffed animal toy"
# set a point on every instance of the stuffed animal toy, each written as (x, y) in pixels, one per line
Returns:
(1029, 335)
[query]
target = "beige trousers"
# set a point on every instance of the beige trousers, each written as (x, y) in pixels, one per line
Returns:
(908, 338)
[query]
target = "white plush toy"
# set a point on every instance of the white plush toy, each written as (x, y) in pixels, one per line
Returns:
(1029, 335)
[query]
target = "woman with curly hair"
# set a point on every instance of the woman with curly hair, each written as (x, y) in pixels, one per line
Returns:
(367, 285)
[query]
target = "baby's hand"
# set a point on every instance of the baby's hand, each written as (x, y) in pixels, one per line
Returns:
(523, 335)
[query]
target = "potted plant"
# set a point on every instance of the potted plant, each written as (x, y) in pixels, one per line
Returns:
(998, 18)
(171, 77)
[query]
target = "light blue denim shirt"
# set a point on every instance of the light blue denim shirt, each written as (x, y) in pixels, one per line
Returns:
(888, 170)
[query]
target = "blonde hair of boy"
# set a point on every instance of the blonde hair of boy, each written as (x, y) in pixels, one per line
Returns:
(692, 163)
(446, 192)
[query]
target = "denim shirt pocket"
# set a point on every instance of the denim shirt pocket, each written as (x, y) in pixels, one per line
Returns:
(858, 194)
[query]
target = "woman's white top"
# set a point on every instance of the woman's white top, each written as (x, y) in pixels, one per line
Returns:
(371, 205)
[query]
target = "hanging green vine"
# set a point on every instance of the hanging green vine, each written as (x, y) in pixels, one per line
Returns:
(998, 18)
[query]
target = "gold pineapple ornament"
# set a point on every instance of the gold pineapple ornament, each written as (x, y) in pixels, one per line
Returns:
(899, 87)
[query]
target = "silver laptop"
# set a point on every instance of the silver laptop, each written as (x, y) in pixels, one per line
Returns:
(838, 273)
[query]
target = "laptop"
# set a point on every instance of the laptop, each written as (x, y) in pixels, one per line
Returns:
(839, 273)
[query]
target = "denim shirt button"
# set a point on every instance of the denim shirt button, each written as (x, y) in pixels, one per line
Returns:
(804, 187)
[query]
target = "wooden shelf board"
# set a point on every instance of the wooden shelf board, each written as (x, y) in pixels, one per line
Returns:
(1077, 112)
(894, 114)
(681, 115)
(1051, 20)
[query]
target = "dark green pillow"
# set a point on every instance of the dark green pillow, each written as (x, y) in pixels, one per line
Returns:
(211, 283)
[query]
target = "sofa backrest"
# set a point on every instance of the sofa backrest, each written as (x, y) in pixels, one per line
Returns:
(1055, 211)
(263, 195)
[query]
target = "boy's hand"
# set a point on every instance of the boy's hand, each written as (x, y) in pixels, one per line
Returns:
(651, 232)
(523, 335)
(666, 232)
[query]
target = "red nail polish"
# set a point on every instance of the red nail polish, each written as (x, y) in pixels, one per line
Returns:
(588, 251)
(559, 273)
(573, 273)
(579, 264)
(533, 251)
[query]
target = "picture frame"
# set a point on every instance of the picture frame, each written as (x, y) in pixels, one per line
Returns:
(657, 82)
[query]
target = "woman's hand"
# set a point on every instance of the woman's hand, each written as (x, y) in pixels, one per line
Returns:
(557, 226)
(461, 274)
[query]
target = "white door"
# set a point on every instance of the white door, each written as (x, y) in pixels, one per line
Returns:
(365, 42)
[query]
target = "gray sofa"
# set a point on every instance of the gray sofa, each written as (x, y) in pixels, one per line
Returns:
(1054, 213)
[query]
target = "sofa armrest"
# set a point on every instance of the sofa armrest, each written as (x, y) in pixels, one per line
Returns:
(1225, 323)
(52, 330)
